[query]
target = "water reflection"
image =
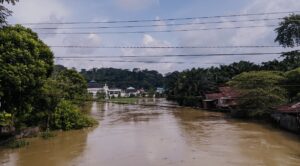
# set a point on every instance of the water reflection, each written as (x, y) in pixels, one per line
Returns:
(225, 141)
(57, 151)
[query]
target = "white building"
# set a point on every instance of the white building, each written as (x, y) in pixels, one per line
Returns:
(131, 91)
(114, 93)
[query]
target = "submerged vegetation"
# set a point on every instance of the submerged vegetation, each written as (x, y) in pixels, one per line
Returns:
(16, 143)
(66, 116)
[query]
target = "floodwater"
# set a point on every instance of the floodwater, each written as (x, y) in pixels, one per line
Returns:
(136, 135)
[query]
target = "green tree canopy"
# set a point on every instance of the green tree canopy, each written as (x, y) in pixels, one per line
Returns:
(122, 78)
(25, 63)
(292, 84)
(288, 32)
(259, 91)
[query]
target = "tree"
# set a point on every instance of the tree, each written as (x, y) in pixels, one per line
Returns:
(73, 84)
(292, 84)
(66, 116)
(120, 78)
(288, 32)
(26, 62)
(291, 60)
(259, 91)
(4, 12)
(64, 84)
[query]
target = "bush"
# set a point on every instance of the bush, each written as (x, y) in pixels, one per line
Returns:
(47, 134)
(190, 101)
(5, 119)
(15, 143)
(66, 117)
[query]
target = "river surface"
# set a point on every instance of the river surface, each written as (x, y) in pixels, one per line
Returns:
(136, 135)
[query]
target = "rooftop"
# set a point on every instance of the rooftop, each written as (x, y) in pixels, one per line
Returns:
(289, 108)
(225, 91)
(93, 84)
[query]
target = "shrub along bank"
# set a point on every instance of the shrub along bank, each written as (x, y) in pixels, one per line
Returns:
(34, 92)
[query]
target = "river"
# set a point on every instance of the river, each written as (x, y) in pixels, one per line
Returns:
(137, 135)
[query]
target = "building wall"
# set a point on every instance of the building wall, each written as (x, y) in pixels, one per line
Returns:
(286, 121)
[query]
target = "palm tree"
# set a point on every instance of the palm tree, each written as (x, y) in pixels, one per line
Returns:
(4, 12)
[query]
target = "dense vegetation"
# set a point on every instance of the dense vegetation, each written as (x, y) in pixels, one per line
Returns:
(122, 78)
(261, 86)
(259, 90)
(34, 92)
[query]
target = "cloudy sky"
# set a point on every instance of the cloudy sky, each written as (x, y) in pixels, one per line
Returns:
(35, 11)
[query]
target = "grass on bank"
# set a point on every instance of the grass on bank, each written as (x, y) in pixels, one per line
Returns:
(122, 100)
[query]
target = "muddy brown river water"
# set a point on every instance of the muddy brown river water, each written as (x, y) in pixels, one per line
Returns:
(136, 135)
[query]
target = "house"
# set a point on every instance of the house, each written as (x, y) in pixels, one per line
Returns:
(114, 93)
(229, 98)
(94, 87)
(224, 99)
(160, 90)
(288, 116)
(211, 100)
(131, 91)
(289, 108)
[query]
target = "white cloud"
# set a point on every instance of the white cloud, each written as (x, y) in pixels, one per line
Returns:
(136, 5)
(247, 36)
(92, 40)
(57, 11)
(149, 41)
(39, 11)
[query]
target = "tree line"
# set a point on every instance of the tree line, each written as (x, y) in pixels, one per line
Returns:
(262, 86)
(123, 78)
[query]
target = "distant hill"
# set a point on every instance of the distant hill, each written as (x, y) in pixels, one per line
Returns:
(123, 78)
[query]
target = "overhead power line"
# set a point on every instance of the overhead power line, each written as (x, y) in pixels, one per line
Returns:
(159, 25)
(155, 31)
(167, 19)
(174, 55)
(142, 61)
(162, 47)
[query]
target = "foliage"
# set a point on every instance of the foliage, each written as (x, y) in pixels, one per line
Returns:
(47, 134)
(288, 31)
(188, 87)
(260, 90)
(25, 63)
(120, 78)
(17, 143)
(4, 12)
(101, 95)
(190, 101)
(5, 119)
(292, 84)
(66, 116)
(65, 84)
(34, 92)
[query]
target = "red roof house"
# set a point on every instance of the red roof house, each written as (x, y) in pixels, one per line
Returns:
(289, 108)
(224, 99)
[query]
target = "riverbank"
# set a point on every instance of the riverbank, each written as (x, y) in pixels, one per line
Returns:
(66, 117)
